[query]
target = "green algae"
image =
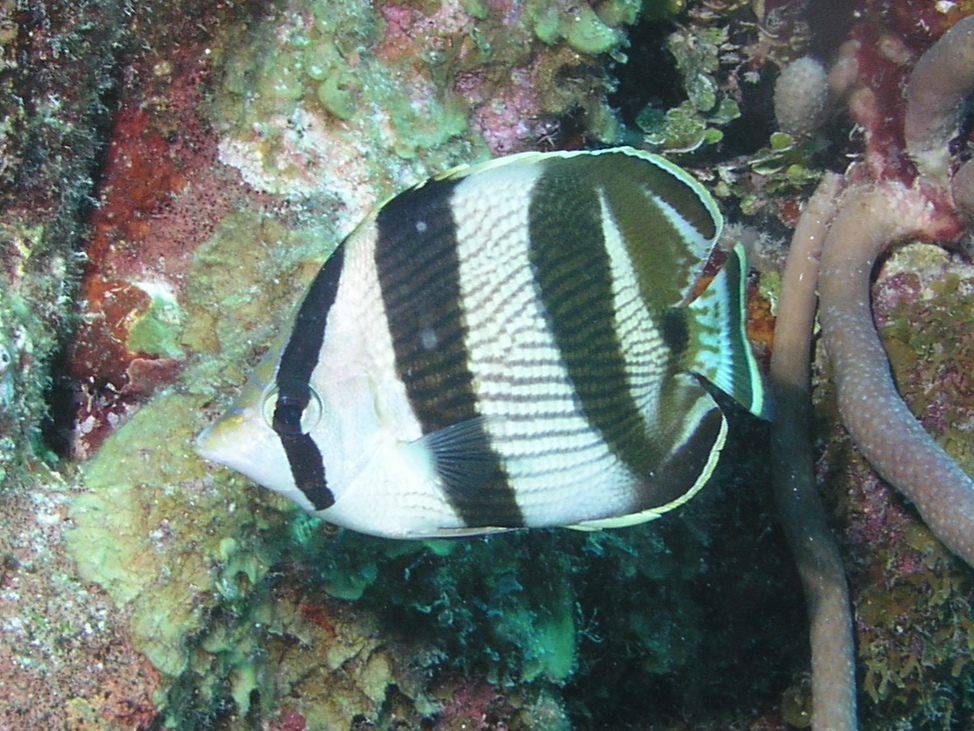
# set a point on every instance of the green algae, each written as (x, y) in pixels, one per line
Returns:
(245, 279)
(126, 539)
(32, 305)
(477, 8)
(698, 120)
(337, 94)
(555, 654)
(928, 340)
(156, 332)
(324, 72)
(660, 9)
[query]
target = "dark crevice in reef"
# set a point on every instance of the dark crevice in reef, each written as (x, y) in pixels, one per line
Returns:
(87, 139)
(743, 609)
(649, 76)
(750, 132)
(57, 94)
(60, 397)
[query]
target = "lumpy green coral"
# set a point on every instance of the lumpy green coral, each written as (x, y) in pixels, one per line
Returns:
(315, 83)
(244, 279)
(580, 25)
(434, 83)
(126, 538)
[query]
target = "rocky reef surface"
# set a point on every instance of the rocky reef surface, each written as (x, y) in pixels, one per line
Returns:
(172, 175)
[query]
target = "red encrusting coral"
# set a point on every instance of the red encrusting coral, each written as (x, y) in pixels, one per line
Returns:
(876, 103)
(475, 705)
(919, 22)
(160, 194)
(288, 720)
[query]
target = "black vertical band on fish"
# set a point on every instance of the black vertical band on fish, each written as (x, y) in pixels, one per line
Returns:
(298, 362)
(661, 217)
(418, 270)
(574, 278)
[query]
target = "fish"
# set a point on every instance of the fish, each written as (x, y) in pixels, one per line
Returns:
(513, 344)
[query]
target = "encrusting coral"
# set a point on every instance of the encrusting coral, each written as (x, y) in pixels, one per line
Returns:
(851, 231)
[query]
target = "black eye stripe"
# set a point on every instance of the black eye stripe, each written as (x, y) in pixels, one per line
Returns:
(287, 419)
(307, 469)
(292, 399)
(298, 361)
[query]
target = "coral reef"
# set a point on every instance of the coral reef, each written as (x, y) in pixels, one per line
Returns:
(176, 172)
(907, 579)
(301, 97)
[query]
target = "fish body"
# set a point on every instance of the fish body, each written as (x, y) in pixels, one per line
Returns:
(507, 345)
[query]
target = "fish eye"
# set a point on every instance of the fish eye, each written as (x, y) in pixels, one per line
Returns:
(291, 408)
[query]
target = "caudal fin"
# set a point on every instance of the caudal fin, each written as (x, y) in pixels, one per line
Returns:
(718, 347)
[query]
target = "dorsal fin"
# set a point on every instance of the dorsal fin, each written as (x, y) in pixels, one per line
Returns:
(663, 213)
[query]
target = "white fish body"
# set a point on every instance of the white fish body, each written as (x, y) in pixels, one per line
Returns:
(506, 345)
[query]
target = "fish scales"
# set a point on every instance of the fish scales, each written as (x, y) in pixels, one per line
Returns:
(506, 345)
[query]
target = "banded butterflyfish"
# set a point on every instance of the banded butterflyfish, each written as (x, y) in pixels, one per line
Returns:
(506, 345)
